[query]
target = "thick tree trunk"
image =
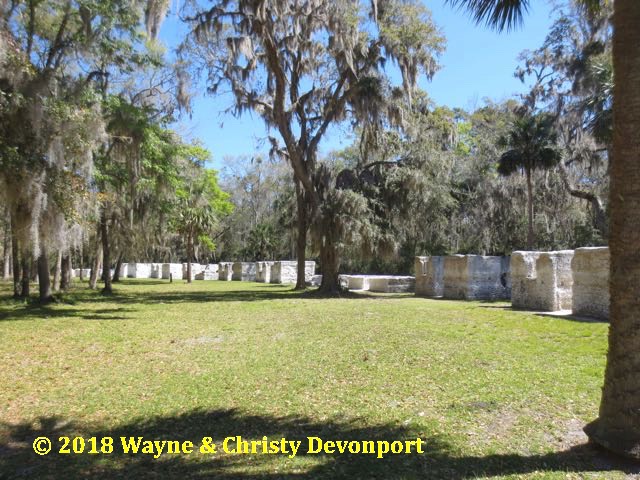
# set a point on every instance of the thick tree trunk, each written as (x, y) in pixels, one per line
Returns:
(116, 271)
(330, 262)
(529, 209)
(15, 257)
(6, 257)
(618, 425)
(65, 271)
(26, 266)
(106, 254)
(301, 241)
(95, 269)
(44, 279)
(57, 272)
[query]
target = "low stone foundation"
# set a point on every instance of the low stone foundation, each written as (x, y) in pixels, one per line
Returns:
(542, 281)
(476, 277)
(429, 273)
(358, 282)
(391, 284)
(590, 267)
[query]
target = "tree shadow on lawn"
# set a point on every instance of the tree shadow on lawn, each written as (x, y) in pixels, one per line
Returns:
(18, 460)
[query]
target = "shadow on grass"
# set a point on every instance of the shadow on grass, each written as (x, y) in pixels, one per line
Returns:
(18, 460)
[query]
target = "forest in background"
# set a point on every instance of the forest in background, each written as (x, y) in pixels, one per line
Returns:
(105, 180)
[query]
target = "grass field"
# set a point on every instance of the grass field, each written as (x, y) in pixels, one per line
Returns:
(494, 393)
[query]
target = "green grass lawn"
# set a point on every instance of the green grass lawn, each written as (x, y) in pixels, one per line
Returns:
(494, 393)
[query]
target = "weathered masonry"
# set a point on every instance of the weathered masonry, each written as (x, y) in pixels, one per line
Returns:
(542, 281)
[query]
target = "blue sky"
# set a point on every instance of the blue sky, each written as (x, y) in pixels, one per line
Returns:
(478, 63)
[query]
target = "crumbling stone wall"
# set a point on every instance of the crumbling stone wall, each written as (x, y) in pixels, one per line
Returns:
(286, 271)
(429, 280)
(139, 270)
(542, 281)
(263, 272)
(172, 269)
(208, 272)
(244, 271)
(476, 277)
(156, 270)
(225, 271)
(590, 268)
(391, 283)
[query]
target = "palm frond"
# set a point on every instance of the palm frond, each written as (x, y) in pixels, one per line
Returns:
(498, 14)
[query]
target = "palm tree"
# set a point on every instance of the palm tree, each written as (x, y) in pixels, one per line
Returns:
(532, 142)
(618, 425)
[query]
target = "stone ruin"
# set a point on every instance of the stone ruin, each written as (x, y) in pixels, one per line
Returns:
(429, 273)
(476, 277)
(378, 283)
(263, 271)
(208, 272)
(590, 266)
(172, 270)
(392, 284)
(286, 271)
(244, 271)
(225, 271)
(139, 270)
(156, 270)
(542, 281)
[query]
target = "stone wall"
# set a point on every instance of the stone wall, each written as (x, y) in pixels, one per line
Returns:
(156, 270)
(429, 273)
(286, 271)
(208, 272)
(358, 282)
(263, 272)
(476, 277)
(139, 270)
(225, 271)
(172, 269)
(542, 281)
(244, 271)
(391, 284)
(590, 267)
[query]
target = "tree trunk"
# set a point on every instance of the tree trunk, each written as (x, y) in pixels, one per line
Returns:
(599, 214)
(81, 260)
(57, 272)
(618, 425)
(189, 255)
(301, 241)
(65, 271)
(116, 271)
(330, 262)
(95, 269)
(529, 209)
(6, 274)
(15, 257)
(26, 265)
(44, 279)
(106, 254)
